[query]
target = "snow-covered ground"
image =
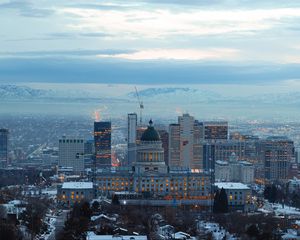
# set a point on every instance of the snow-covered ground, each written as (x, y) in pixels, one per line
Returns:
(279, 209)
(50, 221)
(218, 233)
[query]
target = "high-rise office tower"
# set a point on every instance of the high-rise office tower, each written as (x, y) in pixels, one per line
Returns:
(131, 138)
(277, 153)
(3, 147)
(186, 123)
(174, 145)
(139, 132)
(208, 156)
(215, 130)
(185, 143)
(164, 137)
(102, 138)
(225, 149)
(71, 154)
(251, 143)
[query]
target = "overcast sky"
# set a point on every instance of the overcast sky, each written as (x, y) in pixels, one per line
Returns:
(150, 41)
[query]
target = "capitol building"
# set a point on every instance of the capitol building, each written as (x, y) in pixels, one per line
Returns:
(149, 181)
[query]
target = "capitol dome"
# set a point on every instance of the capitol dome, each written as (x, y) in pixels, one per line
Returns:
(150, 134)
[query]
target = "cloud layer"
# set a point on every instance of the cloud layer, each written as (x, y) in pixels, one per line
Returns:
(155, 33)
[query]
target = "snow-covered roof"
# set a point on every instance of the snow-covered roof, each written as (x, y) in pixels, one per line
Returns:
(77, 185)
(94, 218)
(93, 236)
(289, 236)
(15, 202)
(245, 163)
(182, 235)
(220, 162)
(232, 185)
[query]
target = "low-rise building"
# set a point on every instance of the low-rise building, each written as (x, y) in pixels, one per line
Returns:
(294, 185)
(234, 171)
(238, 194)
(70, 193)
(13, 209)
(222, 171)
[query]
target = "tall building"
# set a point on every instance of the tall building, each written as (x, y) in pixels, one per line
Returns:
(131, 138)
(185, 143)
(164, 137)
(186, 123)
(208, 156)
(139, 132)
(89, 153)
(277, 153)
(3, 147)
(71, 154)
(102, 139)
(250, 150)
(215, 130)
(174, 145)
(224, 149)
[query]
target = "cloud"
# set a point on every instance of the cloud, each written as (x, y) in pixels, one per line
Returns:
(162, 23)
(62, 35)
(55, 69)
(226, 3)
(65, 53)
(104, 6)
(177, 54)
(26, 8)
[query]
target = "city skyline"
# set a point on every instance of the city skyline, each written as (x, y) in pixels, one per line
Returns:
(149, 119)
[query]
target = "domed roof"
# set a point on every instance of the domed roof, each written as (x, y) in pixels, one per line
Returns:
(150, 133)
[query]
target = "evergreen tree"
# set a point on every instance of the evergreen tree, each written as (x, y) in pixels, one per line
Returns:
(115, 200)
(267, 192)
(77, 223)
(216, 206)
(273, 194)
(253, 231)
(223, 201)
(9, 231)
(95, 205)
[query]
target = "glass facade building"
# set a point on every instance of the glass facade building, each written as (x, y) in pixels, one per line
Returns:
(3, 147)
(102, 139)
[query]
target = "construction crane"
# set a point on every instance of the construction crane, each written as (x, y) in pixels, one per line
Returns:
(141, 105)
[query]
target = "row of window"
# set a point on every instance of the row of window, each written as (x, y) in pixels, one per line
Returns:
(71, 141)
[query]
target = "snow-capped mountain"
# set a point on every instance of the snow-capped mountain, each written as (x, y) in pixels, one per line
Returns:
(176, 94)
(22, 92)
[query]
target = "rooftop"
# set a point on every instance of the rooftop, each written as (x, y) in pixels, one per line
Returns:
(231, 185)
(93, 236)
(219, 162)
(77, 185)
(150, 134)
